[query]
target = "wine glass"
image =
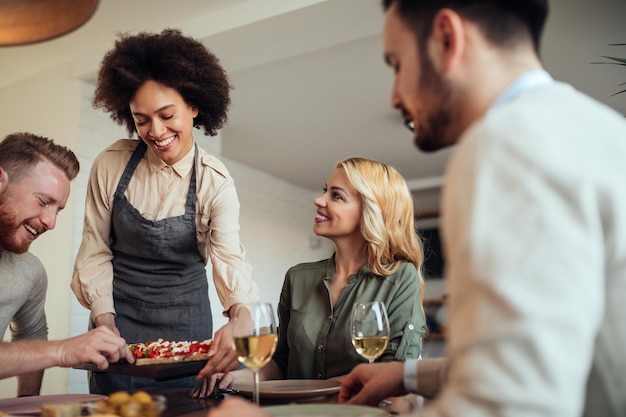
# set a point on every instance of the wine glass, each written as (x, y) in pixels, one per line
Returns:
(255, 338)
(370, 329)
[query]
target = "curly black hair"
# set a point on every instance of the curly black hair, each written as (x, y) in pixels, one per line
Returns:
(172, 59)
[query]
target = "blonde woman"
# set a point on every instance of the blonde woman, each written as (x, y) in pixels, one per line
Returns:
(367, 211)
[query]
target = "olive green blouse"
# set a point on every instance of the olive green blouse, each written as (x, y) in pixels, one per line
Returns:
(314, 336)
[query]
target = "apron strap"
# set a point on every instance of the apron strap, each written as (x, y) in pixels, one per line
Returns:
(190, 205)
(138, 153)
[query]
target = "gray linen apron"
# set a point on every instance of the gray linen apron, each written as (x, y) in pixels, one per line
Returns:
(160, 287)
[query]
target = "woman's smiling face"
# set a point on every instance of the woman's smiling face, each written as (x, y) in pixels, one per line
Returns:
(163, 120)
(339, 208)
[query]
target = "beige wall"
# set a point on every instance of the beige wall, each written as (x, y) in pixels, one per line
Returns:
(48, 105)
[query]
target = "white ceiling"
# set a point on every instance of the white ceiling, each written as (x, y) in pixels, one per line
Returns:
(310, 86)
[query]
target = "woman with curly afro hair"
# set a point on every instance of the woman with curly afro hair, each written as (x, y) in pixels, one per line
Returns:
(159, 208)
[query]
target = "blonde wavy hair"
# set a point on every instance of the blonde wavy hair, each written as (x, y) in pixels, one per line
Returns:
(387, 222)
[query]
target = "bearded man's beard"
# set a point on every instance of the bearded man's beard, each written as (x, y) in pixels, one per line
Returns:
(8, 231)
(437, 119)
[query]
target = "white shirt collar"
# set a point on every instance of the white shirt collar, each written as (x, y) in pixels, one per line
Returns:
(525, 82)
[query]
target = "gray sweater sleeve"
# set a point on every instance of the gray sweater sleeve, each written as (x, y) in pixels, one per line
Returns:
(25, 306)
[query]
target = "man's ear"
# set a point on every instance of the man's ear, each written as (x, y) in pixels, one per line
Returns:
(4, 179)
(447, 40)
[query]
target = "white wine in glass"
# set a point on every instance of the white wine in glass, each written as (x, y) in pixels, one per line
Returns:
(370, 329)
(255, 338)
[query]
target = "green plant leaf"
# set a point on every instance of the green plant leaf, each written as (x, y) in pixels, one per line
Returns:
(618, 61)
(612, 60)
(619, 92)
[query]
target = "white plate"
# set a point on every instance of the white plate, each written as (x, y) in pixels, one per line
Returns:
(325, 410)
(32, 405)
(288, 389)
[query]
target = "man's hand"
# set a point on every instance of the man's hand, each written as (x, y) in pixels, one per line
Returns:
(239, 407)
(99, 346)
(371, 383)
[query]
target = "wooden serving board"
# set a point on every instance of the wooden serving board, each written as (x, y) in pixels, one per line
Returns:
(158, 371)
(171, 359)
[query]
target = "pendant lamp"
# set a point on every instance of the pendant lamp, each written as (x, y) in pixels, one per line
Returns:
(28, 21)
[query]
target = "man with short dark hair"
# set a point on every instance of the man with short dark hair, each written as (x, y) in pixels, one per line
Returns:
(533, 218)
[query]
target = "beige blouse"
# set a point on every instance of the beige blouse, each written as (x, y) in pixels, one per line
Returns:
(158, 191)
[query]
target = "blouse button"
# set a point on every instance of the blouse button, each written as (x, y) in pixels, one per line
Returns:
(320, 347)
(410, 326)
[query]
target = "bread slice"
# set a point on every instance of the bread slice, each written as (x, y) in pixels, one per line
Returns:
(61, 410)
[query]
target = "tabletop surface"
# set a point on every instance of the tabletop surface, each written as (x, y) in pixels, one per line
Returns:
(180, 405)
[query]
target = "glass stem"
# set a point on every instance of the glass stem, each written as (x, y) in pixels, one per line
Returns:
(256, 386)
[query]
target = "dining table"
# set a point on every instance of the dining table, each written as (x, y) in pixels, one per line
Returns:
(179, 404)
(278, 397)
